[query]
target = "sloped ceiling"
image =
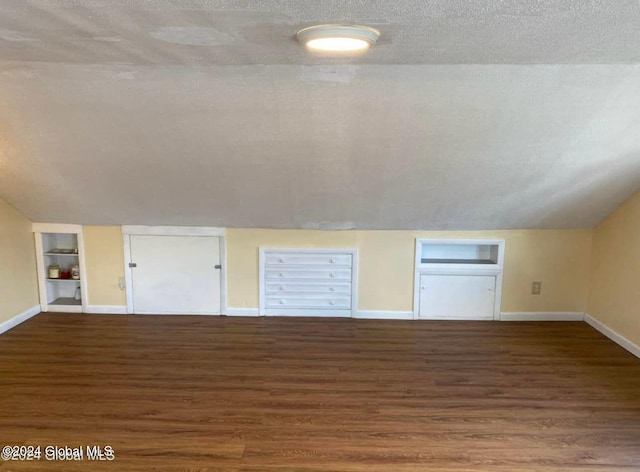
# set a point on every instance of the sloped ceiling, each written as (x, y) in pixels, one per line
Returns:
(466, 115)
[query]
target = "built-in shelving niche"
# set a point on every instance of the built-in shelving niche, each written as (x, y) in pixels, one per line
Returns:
(464, 254)
(59, 245)
(458, 278)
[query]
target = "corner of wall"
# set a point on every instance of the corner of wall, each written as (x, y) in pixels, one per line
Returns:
(18, 280)
(613, 297)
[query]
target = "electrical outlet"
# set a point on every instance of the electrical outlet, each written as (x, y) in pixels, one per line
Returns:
(121, 283)
(536, 288)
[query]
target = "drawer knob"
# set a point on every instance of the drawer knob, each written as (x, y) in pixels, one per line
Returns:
(281, 289)
(331, 289)
(280, 274)
(331, 302)
(332, 274)
(333, 261)
(281, 302)
(280, 260)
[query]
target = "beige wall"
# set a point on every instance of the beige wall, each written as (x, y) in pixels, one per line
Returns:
(104, 259)
(558, 258)
(600, 266)
(614, 295)
(18, 279)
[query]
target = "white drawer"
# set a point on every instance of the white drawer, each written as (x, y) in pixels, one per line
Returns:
(283, 258)
(311, 303)
(273, 274)
(340, 288)
(307, 281)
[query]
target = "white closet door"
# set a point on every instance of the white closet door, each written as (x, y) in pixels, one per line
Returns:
(457, 297)
(175, 274)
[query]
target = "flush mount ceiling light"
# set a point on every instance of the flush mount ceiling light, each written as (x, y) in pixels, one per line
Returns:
(338, 38)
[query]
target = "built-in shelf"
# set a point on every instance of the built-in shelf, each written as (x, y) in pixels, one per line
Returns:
(60, 248)
(66, 301)
(464, 252)
(458, 261)
(458, 278)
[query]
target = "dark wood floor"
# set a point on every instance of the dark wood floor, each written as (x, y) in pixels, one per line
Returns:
(294, 394)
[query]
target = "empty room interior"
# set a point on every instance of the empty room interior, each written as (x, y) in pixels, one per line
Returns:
(296, 235)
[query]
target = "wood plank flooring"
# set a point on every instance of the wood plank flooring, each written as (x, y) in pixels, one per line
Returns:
(177, 393)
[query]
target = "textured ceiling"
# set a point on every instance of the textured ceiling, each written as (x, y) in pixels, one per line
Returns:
(467, 115)
(206, 32)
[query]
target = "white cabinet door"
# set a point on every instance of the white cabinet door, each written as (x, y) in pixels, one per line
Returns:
(457, 297)
(175, 274)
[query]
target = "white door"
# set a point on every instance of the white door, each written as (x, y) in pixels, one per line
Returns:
(457, 297)
(175, 274)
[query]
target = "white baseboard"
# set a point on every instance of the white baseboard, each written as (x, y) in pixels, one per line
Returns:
(382, 315)
(363, 314)
(173, 313)
(241, 312)
(107, 309)
(16, 320)
(542, 316)
(616, 337)
(295, 312)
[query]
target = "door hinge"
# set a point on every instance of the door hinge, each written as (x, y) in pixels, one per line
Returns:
(133, 264)
(217, 266)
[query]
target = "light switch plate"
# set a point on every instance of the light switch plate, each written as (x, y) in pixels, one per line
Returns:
(536, 288)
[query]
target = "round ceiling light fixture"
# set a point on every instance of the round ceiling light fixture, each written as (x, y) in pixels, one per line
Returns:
(338, 38)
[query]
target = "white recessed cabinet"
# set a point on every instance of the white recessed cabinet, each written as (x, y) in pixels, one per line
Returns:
(60, 263)
(458, 279)
(308, 282)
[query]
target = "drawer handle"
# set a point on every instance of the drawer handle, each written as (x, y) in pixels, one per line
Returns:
(331, 289)
(281, 289)
(280, 260)
(333, 261)
(332, 274)
(281, 302)
(331, 302)
(280, 274)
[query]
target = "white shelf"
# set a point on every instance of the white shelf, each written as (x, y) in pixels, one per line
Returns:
(63, 280)
(458, 261)
(60, 254)
(66, 301)
(463, 252)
